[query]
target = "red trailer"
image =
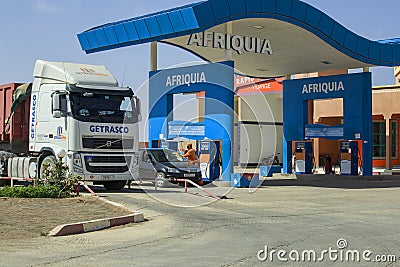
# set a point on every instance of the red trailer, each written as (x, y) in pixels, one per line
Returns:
(14, 134)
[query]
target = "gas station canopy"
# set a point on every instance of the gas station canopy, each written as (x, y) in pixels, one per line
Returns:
(265, 38)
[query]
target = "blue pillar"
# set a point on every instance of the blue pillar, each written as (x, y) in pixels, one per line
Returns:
(160, 114)
(219, 121)
(227, 160)
(287, 156)
(367, 125)
(367, 157)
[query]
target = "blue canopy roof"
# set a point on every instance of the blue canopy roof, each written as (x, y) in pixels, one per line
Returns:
(203, 15)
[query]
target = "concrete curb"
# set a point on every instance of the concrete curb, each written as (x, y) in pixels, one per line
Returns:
(100, 224)
(95, 225)
(221, 183)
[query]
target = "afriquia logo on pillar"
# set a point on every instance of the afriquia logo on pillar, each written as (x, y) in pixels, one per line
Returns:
(326, 87)
(186, 79)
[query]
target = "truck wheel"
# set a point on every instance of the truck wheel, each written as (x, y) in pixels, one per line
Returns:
(160, 179)
(48, 162)
(114, 185)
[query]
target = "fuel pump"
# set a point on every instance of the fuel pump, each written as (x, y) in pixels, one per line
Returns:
(304, 157)
(210, 159)
(349, 158)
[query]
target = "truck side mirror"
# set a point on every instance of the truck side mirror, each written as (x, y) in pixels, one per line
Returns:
(138, 105)
(57, 114)
(59, 104)
(56, 105)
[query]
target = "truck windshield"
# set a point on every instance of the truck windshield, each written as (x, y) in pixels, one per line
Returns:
(92, 107)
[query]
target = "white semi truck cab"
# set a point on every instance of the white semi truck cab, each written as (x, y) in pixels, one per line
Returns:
(79, 112)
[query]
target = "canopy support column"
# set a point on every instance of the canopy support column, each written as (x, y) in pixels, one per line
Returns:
(153, 56)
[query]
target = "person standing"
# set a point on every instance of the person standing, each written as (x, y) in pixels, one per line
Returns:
(190, 154)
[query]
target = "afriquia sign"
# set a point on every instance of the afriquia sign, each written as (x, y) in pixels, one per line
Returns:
(186, 79)
(238, 43)
(326, 87)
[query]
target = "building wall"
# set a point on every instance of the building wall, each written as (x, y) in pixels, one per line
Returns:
(397, 75)
(386, 100)
(261, 128)
(329, 147)
(328, 108)
(395, 161)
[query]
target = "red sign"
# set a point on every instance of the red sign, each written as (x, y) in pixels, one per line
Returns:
(243, 80)
(262, 87)
(248, 86)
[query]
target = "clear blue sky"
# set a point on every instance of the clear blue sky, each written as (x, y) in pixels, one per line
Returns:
(46, 29)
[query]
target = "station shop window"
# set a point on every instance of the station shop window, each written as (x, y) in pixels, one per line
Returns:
(379, 139)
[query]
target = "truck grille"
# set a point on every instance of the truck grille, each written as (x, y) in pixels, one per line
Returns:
(108, 164)
(107, 169)
(107, 143)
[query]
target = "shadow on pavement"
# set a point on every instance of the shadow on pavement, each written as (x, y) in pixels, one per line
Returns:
(345, 182)
(323, 181)
(137, 189)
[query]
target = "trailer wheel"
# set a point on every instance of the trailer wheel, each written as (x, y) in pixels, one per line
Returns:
(48, 162)
(114, 185)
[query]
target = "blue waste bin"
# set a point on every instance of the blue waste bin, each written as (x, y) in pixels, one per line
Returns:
(267, 171)
(245, 180)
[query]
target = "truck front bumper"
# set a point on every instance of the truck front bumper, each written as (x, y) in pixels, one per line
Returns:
(105, 167)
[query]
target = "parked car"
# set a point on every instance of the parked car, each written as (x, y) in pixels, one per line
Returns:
(164, 165)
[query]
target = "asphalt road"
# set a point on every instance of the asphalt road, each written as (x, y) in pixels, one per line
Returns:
(290, 216)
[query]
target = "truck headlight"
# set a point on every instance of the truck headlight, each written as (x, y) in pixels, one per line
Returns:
(77, 170)
(77, 160)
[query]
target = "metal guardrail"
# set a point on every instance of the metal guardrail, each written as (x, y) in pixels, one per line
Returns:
(78, 189)
(186, 181)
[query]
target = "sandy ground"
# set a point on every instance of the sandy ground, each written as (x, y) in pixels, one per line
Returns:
(29, 218)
